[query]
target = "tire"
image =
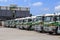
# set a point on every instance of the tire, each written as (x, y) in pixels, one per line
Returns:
(50, 32)
(56, 30)
(15, 26)
(42, 31)
(29, 28)
(23, 28)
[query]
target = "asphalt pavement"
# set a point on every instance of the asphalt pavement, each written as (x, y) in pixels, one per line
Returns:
(17, 34)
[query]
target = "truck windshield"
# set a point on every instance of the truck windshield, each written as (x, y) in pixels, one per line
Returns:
(39, 18)
(56, 18)
(48, 18)
(29, 20)
(34, 19)
(25, 20)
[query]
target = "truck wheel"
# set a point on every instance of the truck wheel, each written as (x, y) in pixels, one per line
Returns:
(23, 28)
(50, 32)
(29, 28)
(56, 30)
(42, 31)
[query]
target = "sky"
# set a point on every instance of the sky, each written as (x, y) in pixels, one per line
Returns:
(37, 7)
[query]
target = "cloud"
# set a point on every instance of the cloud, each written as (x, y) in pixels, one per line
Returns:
(46, 9)
(3, 0)
(57, 8)
(7, 0)
(37, 4)
(25, 0)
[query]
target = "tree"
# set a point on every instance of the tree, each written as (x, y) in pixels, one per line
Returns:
(30, 14)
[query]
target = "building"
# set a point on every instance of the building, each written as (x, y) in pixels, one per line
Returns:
(13, 11)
